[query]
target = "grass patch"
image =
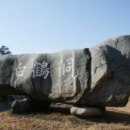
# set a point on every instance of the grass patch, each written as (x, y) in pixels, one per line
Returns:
(59, 118)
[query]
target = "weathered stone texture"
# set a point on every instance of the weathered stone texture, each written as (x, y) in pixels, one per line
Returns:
(98, 76)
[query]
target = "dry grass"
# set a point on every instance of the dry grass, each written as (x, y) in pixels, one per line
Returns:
(60, 119)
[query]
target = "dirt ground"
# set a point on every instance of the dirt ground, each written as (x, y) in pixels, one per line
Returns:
(59, 118)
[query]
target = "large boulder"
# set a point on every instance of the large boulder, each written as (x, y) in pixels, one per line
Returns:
(58, 77)
(110, 73)
(95, 77)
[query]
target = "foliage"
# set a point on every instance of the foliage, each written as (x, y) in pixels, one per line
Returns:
(5, 50)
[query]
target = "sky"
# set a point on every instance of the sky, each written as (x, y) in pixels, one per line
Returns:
(47, 26)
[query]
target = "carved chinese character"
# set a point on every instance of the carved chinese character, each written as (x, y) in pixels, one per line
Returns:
(41, 69)
(67, 67)
(20, 70)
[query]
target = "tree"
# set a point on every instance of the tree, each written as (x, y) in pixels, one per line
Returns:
(5, 50)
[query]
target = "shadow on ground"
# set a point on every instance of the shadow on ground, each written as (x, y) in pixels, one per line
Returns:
(108, 117)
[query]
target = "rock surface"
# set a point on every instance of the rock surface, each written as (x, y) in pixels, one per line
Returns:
(86, 111)
(110, 72)
(62, 76)
(95, 77)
